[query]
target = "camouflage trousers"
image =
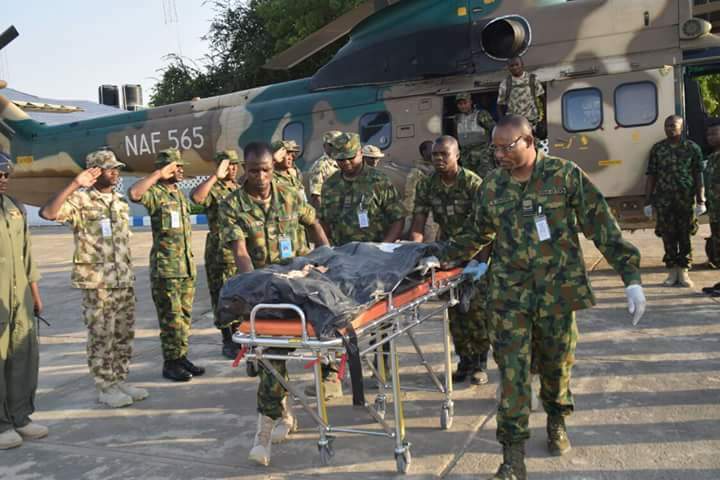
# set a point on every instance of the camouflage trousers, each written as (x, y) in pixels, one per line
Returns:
(271, 393)
(109, 315)
(469, 331)
(173, 299)
(217, 272)
(517, 336)
(478, 158)
(675, 223)
(19, 359)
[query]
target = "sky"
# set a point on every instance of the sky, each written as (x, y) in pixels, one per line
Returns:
(66, 49)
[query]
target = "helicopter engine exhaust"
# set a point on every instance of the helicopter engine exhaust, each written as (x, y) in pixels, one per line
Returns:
(506, 37)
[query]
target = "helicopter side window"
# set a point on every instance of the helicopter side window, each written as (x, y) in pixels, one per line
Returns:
(376, 129)
(582, 110)
(295, 131)
(636, 104)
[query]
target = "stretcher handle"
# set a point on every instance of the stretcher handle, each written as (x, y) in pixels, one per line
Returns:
(278, 307)
(240, 356)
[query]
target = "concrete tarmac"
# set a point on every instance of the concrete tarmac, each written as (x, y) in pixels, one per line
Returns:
(647, 397)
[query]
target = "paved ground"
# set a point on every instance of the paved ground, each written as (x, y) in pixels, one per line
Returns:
(648, 398)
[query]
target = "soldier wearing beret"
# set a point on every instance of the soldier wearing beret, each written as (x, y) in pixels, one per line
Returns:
(172, 267)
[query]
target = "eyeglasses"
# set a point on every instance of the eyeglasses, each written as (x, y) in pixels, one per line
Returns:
(506, 148)
(4, 175)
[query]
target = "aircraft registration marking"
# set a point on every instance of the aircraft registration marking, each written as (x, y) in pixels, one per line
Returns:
(149, 142)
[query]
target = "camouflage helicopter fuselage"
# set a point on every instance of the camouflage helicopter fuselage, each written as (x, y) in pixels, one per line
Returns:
(596, 45)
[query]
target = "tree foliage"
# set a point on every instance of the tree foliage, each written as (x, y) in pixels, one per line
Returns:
(243, 35)
(710, 90)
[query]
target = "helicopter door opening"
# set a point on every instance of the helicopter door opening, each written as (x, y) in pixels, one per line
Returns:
(481, 100)
(701, 100)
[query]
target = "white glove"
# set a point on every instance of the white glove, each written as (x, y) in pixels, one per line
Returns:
(636, 302)
(700, 209)
(648, 211)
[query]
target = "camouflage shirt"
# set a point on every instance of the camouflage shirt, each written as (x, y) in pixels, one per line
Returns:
(212, 202)
(293, 179)
(712, 186)
(413, 178)
(264, 228)
(547, 276)
(474, 128)
(323, 168)
(101, 226)
(451, 205)
(345, 200)
(674, 167)
(171, 253)
(16, 264)
(521, 101)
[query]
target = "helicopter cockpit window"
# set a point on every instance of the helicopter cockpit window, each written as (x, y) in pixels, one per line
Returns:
(376, 129)
(636, 104)
(294, 131)
(582, 110)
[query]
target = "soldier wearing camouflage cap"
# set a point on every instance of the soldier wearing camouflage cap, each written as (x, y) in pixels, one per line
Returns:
(219, 260)
(284, 153)
(20, 298)
(372, 155)
(474, 126)
(322, 168)
(172, 266)
(103, 270)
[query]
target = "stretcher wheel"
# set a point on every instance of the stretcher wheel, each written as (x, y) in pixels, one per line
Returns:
(403, 460)
(380, 406)
(326, 453)
(446, 418)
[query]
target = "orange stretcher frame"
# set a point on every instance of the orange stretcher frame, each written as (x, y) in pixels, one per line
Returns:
(292, 327)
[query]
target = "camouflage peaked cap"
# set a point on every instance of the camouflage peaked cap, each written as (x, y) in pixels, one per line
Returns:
(230, 155)
(328, 137)
(344, 146)
(277, 145)
(102, 159)
(372, 151)
(169, 155)
(291, 146)
(463, 96)
(6, 165)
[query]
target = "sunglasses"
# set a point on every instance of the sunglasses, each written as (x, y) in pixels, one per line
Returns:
(4, 175)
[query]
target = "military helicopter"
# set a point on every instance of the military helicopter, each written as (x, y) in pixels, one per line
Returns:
(612, 71)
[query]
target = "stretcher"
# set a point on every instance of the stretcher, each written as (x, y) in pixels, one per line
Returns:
(383, 323)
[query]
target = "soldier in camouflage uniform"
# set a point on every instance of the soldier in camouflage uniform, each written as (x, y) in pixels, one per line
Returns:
(19, 299)
(358, 203)
(262, 221)
(449, 194)
(422, 169)
(99, 218)
(372, 155)
(712, 187)
(219, 260)
(172, 267)
(674, 183)
(521, 94)
(285, 171)
(474, 126)
(322, 169)
(532, 210)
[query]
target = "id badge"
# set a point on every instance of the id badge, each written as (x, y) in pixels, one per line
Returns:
(543, 230)
(174, 219)
(286, 250)
(106, 228)
(363, 219)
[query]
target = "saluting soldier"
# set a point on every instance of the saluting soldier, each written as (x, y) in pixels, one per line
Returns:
(322, 169)
(19, 299)
(532, 209)
(284, 163)
(449, 194)
(103, 270)
(674, 185)
(474, 126)
(219, 260)
(262, 221)
(359, 203)
(172, 266)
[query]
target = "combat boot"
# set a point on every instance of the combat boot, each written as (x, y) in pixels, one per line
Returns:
(684, 278)
(113, 397)
(286, 425)
(33, 431)
(558, 441)
(672, 277)
(10, 439)
(136, 393)
(230, 349)
(195, 370)
(464, 368)
(513, 466)
(260, 452)
(173, 371)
